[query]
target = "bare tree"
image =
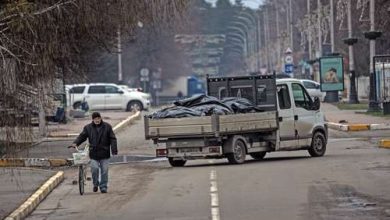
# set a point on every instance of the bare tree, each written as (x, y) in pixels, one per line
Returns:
(45, 39)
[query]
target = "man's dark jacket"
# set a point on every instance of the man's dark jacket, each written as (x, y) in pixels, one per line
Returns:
(100, 140)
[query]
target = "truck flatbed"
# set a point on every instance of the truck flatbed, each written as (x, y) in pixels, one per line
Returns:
(210, 126)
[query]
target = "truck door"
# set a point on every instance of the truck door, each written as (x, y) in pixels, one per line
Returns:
(304, 117)
(287, 133)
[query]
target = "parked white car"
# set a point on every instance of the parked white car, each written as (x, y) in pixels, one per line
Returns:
(313, 88)
(137, 90)
(102, 96)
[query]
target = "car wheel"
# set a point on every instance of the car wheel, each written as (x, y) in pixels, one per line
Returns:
(318, 145)
(258, 155)
(176, 163)
(134, 106)
(239, 153)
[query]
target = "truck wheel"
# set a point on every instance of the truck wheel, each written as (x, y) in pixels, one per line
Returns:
(258, 155)
(239, 153)
(318, 145)
(134, 106)
(176, 163)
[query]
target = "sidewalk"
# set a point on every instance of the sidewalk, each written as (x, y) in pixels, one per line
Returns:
(75, 126)
(333, 114)
(17, 184)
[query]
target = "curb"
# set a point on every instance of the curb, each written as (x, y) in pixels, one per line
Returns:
(33, 162)
(45, 162)
(33, 201)
(336, 126)
(357, 127)
(116, 127)
(63, 135)
(385, 143)
(380, 127)
(127, 121)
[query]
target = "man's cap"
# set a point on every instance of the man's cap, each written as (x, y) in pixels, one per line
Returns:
(96, 115)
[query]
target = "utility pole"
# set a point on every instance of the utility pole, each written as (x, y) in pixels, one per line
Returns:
(291, 25)
(258, 41)
(332, 25)
(309, 39)
(278, 45)
(319, 17)
(119, 57)
(372, 35)
(350, 41)
(266, 39)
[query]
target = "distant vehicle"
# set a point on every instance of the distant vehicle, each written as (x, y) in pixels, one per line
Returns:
(138, 91)
(131, 89)
(282, 76)
(195, 86)
(104, 96)
(313, 88)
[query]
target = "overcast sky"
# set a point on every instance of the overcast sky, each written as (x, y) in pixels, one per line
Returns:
(250, 3)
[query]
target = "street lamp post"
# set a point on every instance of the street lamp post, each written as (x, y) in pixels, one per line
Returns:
(372, 35)
(291, 25)
(119, 56)
(267, 40)
(310, 40)
(350, 41)
(319, 17)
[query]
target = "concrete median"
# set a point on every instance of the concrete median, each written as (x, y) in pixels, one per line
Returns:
(33, 162)
(385, 143)
(127, 121)
(33, 201)
(357, 127)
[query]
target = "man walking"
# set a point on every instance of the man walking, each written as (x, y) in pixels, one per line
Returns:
(101, 139)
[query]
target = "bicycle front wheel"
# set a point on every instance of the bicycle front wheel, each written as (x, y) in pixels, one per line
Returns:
(81, 179)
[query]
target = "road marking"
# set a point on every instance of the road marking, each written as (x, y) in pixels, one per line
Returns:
(214, 196)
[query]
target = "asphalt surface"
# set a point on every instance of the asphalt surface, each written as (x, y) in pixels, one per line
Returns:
(17, 184)
(350, 182)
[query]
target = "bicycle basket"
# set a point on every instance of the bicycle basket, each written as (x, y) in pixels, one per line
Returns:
(81, 158)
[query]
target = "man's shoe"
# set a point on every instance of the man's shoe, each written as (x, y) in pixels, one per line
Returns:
(103, 190)
(95, 189)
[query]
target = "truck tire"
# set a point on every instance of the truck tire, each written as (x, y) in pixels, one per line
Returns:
(318, 145)
(176, 163)
(134, 106)
(258, 155)
(239, 153)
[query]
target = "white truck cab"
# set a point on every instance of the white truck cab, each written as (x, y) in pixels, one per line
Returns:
(300, 118)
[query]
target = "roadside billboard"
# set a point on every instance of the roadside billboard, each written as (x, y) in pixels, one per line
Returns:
(331, 74)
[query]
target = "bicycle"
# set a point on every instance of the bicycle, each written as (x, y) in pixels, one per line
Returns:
(81, 158)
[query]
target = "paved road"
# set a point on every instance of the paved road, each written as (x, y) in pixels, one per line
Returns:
(350, 182)
(17, 184)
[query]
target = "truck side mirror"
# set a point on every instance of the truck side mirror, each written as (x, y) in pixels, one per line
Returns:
(316, 104)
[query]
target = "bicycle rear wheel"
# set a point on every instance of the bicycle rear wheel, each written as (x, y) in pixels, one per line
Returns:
(81, 179)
